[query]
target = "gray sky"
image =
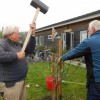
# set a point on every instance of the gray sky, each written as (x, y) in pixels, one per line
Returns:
(21, 13)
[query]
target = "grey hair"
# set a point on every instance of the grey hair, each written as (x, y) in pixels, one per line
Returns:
(94, 24)
(9, 30)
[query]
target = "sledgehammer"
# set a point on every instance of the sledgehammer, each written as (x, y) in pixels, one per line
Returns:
(39, 7)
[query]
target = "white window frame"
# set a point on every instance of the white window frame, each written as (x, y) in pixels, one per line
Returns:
(63, 35)
(83, 35)
(41, 40)
(36, 40)
(49, 36)
(71, 40)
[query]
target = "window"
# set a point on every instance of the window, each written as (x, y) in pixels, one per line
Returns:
(83, 35)
(49, 36)
(63, 35)
(41, 40)
(71, 40)
(36, 40)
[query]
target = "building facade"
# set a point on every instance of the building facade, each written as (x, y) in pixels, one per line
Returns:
(72, 31)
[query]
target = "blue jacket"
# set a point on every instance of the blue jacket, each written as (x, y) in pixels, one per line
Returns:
(90, 49)
(11, 68)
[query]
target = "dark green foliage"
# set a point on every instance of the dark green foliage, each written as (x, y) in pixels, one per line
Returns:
(53, 49)
(40, 48)
(1, 35)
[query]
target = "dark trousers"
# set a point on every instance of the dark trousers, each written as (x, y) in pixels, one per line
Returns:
(93, 91)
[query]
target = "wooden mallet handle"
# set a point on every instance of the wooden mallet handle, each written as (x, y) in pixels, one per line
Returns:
(30, 31)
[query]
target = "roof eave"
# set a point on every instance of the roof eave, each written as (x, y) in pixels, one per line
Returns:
(75, 20)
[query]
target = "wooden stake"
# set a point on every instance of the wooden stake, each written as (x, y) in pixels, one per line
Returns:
(60, 67)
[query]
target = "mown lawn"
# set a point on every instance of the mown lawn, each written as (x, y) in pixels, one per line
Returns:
(37, 74)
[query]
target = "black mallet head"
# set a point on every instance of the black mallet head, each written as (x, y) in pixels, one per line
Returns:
(38, 4)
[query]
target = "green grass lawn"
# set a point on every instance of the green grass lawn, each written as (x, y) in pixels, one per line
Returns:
(37, 74)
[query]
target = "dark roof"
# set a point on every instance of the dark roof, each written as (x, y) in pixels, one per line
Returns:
(91, 15)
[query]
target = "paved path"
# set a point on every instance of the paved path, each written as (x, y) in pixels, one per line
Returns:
(73, 62)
